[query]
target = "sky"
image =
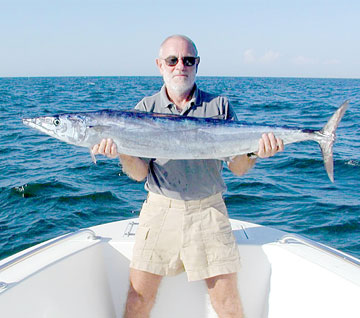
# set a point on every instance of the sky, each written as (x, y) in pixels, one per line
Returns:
(267, 38)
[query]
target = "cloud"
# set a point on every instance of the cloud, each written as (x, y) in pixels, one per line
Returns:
(269, 57)
(249, 56)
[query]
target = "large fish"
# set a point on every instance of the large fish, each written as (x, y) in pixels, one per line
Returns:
(152, 135)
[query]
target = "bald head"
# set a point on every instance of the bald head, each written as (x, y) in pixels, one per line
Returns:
(177, 38)
(178, 64)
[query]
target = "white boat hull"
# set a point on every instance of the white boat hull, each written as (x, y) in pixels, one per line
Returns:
(82, 275)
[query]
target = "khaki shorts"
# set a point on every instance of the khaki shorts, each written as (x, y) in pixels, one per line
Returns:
(193, 236)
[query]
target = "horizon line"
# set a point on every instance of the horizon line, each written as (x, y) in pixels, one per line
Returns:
(198, 76)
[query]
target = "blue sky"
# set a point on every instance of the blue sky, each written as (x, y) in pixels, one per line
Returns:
(293, 38)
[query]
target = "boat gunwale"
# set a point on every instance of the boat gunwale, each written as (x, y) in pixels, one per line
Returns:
(286, 239)
(42, 247)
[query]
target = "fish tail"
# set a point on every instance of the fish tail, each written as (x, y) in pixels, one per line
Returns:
(328, 138)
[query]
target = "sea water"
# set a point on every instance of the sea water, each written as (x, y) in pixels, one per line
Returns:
(49, 188)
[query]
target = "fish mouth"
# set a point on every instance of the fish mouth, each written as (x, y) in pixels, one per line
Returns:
(31, 122)
(35, 123)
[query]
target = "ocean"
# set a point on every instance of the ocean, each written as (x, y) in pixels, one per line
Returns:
(49, 188)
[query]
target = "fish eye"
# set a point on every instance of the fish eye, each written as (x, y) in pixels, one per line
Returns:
(56, 122)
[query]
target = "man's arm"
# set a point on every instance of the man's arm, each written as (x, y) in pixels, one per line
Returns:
(239, 165)
(269, 145)
(134, 167)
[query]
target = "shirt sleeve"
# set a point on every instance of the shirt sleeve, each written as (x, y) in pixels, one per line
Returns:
(141, 105)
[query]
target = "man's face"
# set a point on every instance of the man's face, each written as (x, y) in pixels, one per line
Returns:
(179, 78)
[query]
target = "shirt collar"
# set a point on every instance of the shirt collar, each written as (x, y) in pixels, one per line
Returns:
(166, 102)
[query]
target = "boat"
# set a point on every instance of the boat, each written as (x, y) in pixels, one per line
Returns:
(85, 274)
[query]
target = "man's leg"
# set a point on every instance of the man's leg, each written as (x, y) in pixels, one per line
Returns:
(224, 296)
(142, 294)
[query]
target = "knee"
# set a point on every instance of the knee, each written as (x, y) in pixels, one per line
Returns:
(142, 293)
(224, 296)
(136, 299)
(139, 301)
(228, 307)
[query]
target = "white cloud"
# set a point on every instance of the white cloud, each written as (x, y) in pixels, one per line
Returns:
(249, 56)
(269, 57)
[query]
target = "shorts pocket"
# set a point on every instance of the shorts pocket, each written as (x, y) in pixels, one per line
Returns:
(225, 238)
(215, 221)
(142, 233)
(223, 248)
(151, 215)
(141, 237)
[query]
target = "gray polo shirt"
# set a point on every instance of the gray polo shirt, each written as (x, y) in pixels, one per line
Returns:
(187, 179)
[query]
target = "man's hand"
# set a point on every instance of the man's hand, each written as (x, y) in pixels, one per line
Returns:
(134, 167)
(269, 145)
(106, 147)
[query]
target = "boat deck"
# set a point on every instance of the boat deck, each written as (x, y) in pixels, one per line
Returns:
(85, 274)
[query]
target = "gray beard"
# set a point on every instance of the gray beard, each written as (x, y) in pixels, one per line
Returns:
(181, 89)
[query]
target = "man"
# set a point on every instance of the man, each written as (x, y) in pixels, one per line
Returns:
(183, 223)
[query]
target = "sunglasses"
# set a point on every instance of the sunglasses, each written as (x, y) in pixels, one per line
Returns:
(187, 60)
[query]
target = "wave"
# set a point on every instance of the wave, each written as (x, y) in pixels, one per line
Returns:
(355, 163)
(48, 188)
(106, 196)
(339, 228)
(340, 234)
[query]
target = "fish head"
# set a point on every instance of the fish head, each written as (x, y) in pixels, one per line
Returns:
(70, 128)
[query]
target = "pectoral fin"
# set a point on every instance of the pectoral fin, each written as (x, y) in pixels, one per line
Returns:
(92, 156)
